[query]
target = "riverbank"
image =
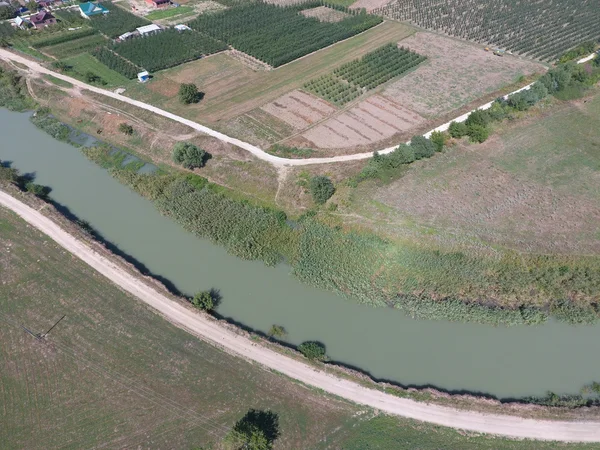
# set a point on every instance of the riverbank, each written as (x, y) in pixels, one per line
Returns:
(224, 338)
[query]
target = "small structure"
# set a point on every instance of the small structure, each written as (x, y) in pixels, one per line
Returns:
(181, 27)
(148, 29)
(42, 19)
(126, 36)
(158, 3)
(90, 9)
(143, 76)
(23, 24)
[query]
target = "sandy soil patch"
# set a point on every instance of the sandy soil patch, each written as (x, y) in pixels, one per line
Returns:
(456, 73)
(325, 14)
(299, 109)
(372, 120)
(166, 87)
(369, 5)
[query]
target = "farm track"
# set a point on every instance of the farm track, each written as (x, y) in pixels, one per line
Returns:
(277, 161)
(212, 332)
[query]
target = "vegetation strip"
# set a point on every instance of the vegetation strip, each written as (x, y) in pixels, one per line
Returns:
(212, 331)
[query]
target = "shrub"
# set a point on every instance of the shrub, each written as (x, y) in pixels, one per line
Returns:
(457, 130)
(188, 93)
(204, 300)
(321, 189)
(478, 117)
(125, 128)
(188, 155)
(478, 133)
(313, 350)
(277, 331)
(573, 313)
(422, 147)
(257, 430)
(38, 190)
(439, 139)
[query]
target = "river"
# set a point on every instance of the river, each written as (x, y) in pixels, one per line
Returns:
(505, 362)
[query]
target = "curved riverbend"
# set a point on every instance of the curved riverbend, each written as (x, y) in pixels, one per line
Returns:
(505, 362)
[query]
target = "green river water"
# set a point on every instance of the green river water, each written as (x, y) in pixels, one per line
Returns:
(505, 362)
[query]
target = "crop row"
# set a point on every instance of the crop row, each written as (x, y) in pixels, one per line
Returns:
(76, 47)
(117, 21)
(116, 62)
(167, 48)
(277, 35)
(46, 40)
(375, 68)
(538, 28)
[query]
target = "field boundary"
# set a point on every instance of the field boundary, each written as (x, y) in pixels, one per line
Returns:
(242, 346)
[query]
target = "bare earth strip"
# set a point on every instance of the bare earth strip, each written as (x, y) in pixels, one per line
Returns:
(212, 332)
(299, 109)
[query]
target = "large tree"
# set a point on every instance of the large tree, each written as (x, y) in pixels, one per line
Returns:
(188, 155)
(321, 189)
(189, 93)
(257, 430)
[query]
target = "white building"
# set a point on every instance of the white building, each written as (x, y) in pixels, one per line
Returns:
(148, 29)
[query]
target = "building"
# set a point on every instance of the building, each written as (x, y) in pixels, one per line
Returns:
(181, 27)
(42, 19)
(143, 76)
(90, 9)
(126, 36)
(148, 29)
(158, 3)
(23, 24)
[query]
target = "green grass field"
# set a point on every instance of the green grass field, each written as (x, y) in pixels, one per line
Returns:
(76, 47)
(169, 12)
(58, 81)
(87, 63)
(113, 374)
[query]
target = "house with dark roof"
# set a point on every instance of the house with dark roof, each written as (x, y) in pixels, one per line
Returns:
(158, 3)
(42, 19)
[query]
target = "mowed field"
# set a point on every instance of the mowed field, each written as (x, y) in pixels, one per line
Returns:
(113, 374)
(533, 186)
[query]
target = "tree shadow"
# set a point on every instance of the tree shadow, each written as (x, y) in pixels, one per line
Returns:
(265, 421)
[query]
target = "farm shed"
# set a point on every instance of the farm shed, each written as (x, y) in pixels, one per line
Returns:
(42, 19)
(126, 36)
(89, 9)
(158, 3)
(148, 29)
(181, 27)
(143, 76)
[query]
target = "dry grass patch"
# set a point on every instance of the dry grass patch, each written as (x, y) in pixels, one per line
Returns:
(325, 14)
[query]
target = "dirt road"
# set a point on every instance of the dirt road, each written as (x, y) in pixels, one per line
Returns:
(256, 151)
(213, 333)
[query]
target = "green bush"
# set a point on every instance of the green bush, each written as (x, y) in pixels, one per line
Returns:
(188, 93)
(189, 155)
(457, 130)
(55, 128)
(478, 133)
(478, 117)
(321, 189)
(204, 300)
(125, 128)
(439, 139)
(313, 350)
(422, 147)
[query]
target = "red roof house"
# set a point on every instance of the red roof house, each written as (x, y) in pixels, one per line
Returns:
(158, 3)
(42, 19)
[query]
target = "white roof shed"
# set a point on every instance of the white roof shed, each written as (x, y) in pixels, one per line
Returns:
(148, 29)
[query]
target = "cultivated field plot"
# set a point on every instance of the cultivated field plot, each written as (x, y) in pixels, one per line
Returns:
(113, 374)
(539, 28)
(534, 186)
(325, 14)
(299, 109)
(456, 74)
(233, 89)
(278, 35)
(372, 120)
(76, 47)
(117, 21)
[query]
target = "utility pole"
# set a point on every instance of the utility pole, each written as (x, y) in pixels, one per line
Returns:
(52, 327)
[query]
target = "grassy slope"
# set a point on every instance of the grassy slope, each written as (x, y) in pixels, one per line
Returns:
(232, 88)
(87, 63)
(114, 374)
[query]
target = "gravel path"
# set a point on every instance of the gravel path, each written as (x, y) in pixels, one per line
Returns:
(214, 333)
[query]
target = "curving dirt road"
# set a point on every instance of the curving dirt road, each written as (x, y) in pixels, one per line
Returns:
(213, 333)
(256, 151)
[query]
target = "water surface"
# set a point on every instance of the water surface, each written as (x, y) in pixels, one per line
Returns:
(506, 362)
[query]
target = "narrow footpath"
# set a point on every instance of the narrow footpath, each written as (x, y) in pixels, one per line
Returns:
(214, 333)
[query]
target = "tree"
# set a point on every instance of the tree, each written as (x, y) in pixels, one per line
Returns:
(313, 350)
(277, 331)
(32, 6)
(188, 155)
(439, 138)
(478, 133)
(188, 93)
(257, 430)
(91, 77)
(478, 117)
(204, 300)
(125, 128)
(404, 154)
(321, 189)
(457, 129)
(38, 190)
(62, 66)
(422, 147)
(6, 12)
